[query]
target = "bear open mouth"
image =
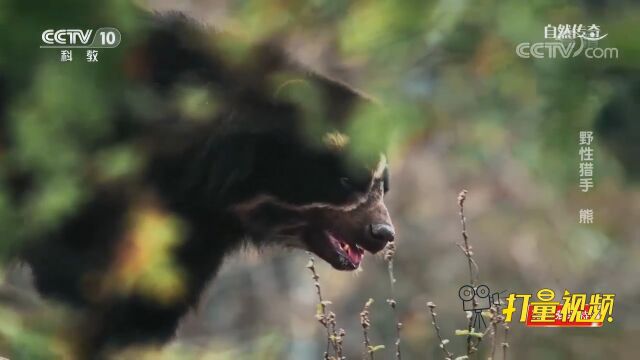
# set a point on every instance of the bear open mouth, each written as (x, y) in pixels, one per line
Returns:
(346, 255)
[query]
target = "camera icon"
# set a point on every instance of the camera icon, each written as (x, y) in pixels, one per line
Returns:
(477, 300)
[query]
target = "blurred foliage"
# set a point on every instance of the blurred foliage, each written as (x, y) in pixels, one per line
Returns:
(457, 108)
(144, 264)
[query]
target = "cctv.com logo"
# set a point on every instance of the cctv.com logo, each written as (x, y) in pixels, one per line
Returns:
(572, 40)
(553, 50)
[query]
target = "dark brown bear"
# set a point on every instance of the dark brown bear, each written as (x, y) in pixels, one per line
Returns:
(252, 172)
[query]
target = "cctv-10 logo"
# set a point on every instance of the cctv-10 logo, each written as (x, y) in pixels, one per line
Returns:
(106, 37)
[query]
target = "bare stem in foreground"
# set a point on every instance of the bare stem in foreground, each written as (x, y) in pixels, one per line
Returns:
(390, 251)
(496, 316)
(505, 344)
(365, 322)
(327, 319)
(494, 334)
(466, 249)
(443, 342)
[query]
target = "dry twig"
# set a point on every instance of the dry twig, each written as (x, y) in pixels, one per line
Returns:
(365, 322)
(326, 318)
(389, 253)
(443, 342)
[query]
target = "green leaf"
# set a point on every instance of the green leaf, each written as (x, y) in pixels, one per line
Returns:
(375, 348)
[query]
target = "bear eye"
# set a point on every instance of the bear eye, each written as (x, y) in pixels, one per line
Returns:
(385, 180)
(346, 183)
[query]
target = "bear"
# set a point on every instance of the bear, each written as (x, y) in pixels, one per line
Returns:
(252, 173)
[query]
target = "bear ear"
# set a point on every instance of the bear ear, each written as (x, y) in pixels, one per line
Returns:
(340, 99)
(321, 98)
